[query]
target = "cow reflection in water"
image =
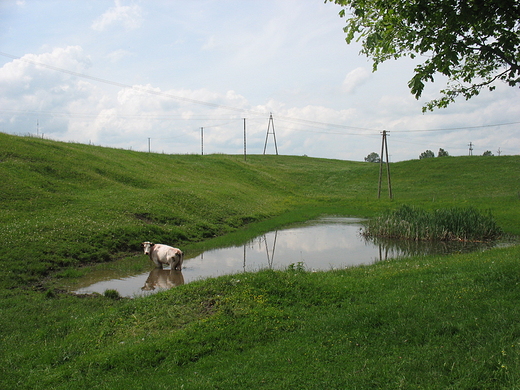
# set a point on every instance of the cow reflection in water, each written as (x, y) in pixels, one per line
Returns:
(163, 279)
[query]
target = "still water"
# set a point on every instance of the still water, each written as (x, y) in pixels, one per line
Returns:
(321, 245)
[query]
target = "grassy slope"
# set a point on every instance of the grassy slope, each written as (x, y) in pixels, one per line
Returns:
(105, 201)
(450, 321)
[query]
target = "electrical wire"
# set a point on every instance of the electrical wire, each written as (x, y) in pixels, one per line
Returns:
(456, 128)
(297, 121)
(122, 85)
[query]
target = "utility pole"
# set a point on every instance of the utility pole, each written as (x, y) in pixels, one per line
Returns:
(384, 149)
(245, 154)
(202, 141)
(37, 127)
(271, 121)
(498, 152)
(470, 149)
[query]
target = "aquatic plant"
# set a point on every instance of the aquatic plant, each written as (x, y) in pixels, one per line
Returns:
(413, 223)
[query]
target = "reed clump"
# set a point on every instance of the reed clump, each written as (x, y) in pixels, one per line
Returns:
(448, 224)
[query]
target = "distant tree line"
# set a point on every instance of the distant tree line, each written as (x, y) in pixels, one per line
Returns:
(374, 157)
(444, 153)
(428, 154)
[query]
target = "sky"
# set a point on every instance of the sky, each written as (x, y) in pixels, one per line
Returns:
(205, 76)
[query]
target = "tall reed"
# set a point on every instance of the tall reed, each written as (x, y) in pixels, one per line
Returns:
(413, 223)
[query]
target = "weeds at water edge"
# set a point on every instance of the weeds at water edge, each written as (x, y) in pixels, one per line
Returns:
(413, 223)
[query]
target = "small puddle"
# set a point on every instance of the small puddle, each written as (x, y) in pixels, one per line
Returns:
(321, 245)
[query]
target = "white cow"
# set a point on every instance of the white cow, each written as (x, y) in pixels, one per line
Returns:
(163, 254)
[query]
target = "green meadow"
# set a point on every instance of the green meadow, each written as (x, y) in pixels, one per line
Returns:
(428, 322)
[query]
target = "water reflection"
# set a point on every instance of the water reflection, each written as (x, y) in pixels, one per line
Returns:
(328, 243)
(389, 249)
(163, 279)
(262, 243)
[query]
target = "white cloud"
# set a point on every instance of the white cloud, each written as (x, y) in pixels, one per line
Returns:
(32, 92)
(118, 55)
(129, 16)
(288, 58)
(37, 73)
(355, 78)
(210, 43)
(69, 107)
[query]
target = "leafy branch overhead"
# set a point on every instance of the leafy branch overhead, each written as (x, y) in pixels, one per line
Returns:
(474, 43)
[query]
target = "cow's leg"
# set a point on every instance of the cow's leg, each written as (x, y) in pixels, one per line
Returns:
(178, 262)
(173, 262)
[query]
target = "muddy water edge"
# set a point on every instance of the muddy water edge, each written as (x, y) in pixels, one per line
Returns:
(317, 245)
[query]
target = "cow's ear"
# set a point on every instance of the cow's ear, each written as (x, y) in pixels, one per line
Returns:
(152, 244)
(142, 244)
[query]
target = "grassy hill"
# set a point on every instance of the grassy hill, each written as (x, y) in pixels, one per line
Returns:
(66, 205)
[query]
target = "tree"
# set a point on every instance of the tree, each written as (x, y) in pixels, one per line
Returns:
(475, 43)
(373, 157)
(426, 154)
(487, 153)
(442, 153)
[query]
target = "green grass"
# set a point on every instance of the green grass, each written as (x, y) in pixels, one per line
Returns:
(432, 322)
(67, 210)
(448, 224)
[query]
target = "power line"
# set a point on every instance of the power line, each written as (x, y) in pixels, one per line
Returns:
(122, 85)
(333, 132)
(316, 123)
(458, 128)
(164, 94)
(302, 122)
(180, 117)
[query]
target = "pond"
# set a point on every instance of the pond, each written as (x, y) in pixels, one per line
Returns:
(320, 245)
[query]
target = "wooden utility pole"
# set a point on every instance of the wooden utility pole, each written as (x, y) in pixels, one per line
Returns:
(245, 140)
(271, 121)
(202, 141)
(384, 149)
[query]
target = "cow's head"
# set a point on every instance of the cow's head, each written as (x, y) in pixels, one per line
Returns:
(147, 246)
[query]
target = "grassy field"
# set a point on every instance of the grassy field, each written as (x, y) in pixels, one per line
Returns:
(428, 322)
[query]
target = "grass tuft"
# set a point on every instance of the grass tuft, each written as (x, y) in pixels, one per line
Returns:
(112, 294)
(447, 224)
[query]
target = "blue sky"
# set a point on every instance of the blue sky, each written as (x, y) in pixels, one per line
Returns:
(118, 73)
